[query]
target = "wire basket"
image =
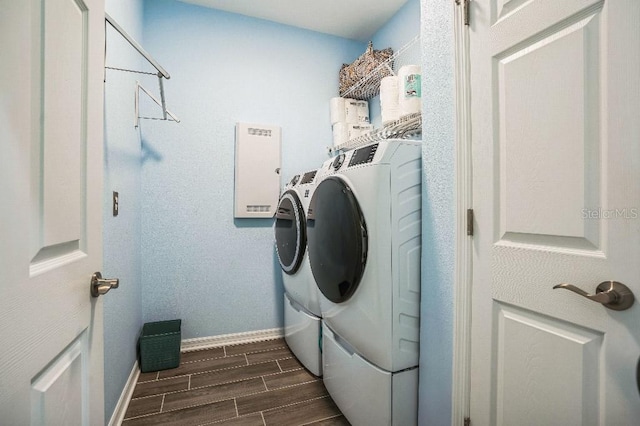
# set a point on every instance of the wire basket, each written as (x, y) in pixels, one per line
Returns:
(364, 84)
(372, 66)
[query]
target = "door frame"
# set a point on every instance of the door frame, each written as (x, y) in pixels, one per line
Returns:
(461, 380)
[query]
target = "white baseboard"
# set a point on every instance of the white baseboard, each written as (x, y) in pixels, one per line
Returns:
(231, 339)
(123, 403)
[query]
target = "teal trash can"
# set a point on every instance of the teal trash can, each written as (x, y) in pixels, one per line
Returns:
(159, 345)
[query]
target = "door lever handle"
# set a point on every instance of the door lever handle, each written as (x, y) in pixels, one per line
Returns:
(612, 294)
(101, 285)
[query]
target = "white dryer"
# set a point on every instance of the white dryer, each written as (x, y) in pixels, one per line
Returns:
(301, 298)
(364, 237)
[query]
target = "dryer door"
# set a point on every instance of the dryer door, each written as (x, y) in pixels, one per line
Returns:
(337, 239)
(291, 238)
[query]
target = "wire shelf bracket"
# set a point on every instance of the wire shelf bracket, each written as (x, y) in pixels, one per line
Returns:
(404, 128)
(161, 73)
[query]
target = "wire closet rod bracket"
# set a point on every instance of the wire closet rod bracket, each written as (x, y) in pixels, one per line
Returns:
(161, 71)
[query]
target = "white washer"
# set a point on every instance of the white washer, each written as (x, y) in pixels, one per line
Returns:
(301, 299)
(364, 237)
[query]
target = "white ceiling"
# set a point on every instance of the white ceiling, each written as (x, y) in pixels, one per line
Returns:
(353, 19)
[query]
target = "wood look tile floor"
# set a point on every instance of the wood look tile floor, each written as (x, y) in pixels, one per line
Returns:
(249, 384)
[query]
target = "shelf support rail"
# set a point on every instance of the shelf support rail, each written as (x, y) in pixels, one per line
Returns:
(161, 71)
(171, 116)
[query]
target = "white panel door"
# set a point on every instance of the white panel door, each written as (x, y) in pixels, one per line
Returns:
(51, 350)
(556, 169)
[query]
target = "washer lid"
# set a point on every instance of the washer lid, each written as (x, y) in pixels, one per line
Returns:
(290, 230)
(337, 239)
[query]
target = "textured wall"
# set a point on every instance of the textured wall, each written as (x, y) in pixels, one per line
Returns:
(199, 264)
(218, 274)
(438, 213)
(401, 28)
(122, 307)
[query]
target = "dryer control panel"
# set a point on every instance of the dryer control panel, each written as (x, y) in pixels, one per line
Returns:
(363, 155)
(308, 177)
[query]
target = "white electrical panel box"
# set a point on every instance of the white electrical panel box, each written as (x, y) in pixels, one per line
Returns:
(257, 183)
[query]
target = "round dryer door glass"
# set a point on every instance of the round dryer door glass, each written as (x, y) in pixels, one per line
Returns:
(337, 239)
(290, 231)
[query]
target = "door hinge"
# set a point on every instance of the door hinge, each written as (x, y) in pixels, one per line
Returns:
(115, 203)
(465, 11)
(470, 222)
(467, 421)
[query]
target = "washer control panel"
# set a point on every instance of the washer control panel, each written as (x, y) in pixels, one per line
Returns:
(363, 155)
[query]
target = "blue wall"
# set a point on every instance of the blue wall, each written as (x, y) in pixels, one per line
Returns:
(123, 306)
(217, 274)
(438, 212)
(403, 27)
(197, 263)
